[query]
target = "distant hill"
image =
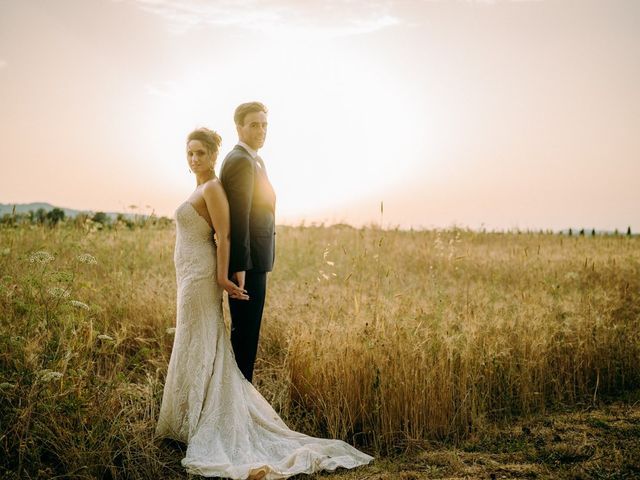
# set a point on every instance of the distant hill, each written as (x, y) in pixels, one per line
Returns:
(69, 212)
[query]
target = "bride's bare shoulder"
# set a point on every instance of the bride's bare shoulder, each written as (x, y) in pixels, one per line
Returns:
(213, 190)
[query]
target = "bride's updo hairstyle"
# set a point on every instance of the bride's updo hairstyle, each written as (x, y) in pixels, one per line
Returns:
(210, 139)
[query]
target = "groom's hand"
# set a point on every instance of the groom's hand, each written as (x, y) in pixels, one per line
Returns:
(233, 290)
(238, 278)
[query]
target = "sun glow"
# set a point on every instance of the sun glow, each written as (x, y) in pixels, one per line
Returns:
(320, 155)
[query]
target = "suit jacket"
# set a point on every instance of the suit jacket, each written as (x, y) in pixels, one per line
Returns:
(252, 203)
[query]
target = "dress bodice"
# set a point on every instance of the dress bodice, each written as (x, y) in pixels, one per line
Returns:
(195, 252)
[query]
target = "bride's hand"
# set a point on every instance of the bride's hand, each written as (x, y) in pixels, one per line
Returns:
(233, 290)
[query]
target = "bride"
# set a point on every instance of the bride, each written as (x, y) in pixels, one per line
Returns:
(229, 428)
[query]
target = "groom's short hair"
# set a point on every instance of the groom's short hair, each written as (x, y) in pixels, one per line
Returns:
(246, 108)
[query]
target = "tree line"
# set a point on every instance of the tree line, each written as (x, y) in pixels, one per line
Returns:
(98, 220)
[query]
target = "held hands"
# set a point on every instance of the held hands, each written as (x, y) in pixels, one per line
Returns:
(234, 291)
(239, 277)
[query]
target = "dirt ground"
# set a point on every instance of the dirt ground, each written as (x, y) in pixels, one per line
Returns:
(596, 443)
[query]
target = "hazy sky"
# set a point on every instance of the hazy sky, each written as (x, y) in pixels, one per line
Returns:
(498, 113)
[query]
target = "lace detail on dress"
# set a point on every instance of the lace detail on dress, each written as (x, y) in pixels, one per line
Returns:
(230, 429)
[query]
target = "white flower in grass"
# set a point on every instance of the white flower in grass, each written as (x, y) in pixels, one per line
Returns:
(102, 336)
(58, 292)
(87, 258)
(171, 330)
(323, 275)
(47, 375)
(79, 304)
(41, 257)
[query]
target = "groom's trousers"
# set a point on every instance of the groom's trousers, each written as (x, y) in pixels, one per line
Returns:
(246, 316)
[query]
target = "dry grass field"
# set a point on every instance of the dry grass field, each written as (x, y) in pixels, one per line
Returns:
(447, 354)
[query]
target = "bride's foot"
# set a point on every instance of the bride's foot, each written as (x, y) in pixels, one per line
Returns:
(257, 474)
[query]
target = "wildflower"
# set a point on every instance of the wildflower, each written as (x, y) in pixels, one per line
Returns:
(87, 258)
(79, 304)
(58, 292)
(41, 257)
(171, 330)
(47, 375)
(102, 336)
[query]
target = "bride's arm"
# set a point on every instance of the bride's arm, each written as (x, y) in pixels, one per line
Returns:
(218, 209)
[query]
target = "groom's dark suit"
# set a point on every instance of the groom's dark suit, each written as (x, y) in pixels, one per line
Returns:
(252, 215)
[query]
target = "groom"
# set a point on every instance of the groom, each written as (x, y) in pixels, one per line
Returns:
(252, 215)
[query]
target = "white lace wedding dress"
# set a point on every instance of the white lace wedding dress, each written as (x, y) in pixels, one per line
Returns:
(230, 429)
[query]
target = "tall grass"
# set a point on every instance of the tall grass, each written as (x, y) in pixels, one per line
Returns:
(432, 334)
(381, 338)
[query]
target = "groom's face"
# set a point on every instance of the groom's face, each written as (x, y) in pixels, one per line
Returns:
(254, 130)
